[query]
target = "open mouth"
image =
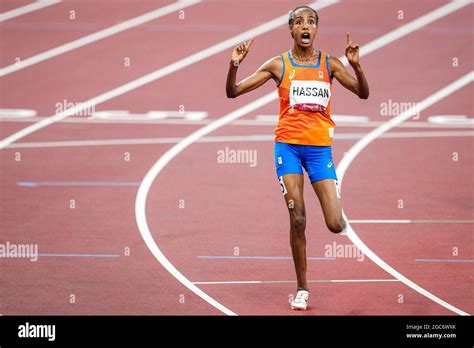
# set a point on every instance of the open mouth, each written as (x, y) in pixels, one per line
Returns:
(305, 38)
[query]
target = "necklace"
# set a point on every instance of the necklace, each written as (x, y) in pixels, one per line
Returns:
(306, 59)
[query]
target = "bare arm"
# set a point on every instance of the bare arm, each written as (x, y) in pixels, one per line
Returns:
(266, 72)
(357, 85)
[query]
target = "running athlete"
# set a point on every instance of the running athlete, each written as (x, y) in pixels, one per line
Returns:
(303, 136)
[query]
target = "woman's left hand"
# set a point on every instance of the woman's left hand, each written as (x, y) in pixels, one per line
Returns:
(352, 51)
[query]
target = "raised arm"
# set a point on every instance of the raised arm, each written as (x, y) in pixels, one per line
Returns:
(358, 85)
(269, 70)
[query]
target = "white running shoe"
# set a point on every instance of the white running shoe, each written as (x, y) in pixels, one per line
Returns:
(300, 302)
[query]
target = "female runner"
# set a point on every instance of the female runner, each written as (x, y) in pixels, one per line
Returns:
(303, 136)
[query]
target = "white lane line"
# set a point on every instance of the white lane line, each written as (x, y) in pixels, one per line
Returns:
(19, 11)
(451, 119)
(16, 114)
(362, 144)
(411, 221)
(157, 74)
(86, 40)
(126, 115)
(260, 257)
(141, 199)
(412, 26)
(380, 221)
(293, 281)
(428, 134)
(407, 135)
(443, 260)
(5, 117)
(100, 142)
(219, 139)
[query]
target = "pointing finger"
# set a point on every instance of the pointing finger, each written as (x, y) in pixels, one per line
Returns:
(247, 45)
(348, 37)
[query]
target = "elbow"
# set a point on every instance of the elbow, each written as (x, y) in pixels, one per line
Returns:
(230, 93)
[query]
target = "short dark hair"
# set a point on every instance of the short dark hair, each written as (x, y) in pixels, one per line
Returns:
(291, 17)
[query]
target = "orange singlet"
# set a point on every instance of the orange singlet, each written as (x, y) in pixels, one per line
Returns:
(305, 103)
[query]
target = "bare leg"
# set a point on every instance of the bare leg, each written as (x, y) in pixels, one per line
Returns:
(295, 204)
(330, 204)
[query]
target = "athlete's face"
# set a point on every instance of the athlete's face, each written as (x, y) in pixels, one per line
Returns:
(304, 29)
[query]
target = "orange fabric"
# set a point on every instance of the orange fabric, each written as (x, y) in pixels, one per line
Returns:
(309, 122)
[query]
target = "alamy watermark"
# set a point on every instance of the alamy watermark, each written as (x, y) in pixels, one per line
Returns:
(12, 250)
(394, 108)
(343, 251)
(28, 330)
(79, 109)
(233, 156)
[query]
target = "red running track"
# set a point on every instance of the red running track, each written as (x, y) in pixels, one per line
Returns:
(198, 208)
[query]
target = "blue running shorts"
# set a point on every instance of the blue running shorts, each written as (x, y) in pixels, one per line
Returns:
(316, 160)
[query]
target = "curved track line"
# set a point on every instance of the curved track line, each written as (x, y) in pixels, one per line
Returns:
(362, 144)
(140, 203)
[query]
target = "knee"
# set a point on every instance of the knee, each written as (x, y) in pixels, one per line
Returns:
(336, 226)
(298, 224)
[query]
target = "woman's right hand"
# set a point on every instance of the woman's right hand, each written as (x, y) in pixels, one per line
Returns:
(240, 51)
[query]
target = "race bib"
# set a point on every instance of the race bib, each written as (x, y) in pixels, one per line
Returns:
(310, 95)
